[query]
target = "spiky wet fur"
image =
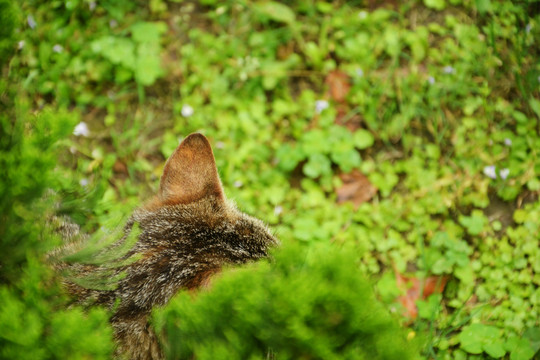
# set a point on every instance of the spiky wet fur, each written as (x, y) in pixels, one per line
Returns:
(180, 247)
(187, 233)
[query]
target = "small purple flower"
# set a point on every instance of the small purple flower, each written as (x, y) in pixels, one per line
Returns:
(83, 182)
(220, 145)
(20, 44)
(238, 184)
(92, 5)
(187, 110)
(81, 129)
(528, 28)
(57, 48)
(449, 69)
(508, 142)
(359, 72)
(31, 21)
(431, 80)
(113, 23)
(503, 173)
(278, 210)
(490, 171)
(320, 105)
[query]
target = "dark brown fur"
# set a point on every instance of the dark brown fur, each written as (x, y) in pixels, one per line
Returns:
(187, 233)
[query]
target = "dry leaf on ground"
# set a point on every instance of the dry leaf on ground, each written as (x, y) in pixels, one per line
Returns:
(356, 188)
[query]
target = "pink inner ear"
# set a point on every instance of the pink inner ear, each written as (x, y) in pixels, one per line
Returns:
(190, 174)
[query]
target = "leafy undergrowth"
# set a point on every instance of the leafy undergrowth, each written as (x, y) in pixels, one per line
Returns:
(409, 132)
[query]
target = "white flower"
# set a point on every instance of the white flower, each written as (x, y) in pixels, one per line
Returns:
(490, 171)
(528, 28)
(220, 145)
(508, 142)
(449, 70)
(504, 173)
(31, 22)
(238, 184)
(92, 5)
(113, 23)
(431, 80)
(320, 105)
(20, 44)
(362, 15)
(187, 110)
(57, 48)
(83, 182)
(359, 72)
(81, 129)
(278, 210)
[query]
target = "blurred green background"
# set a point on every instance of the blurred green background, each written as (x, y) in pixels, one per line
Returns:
(405, 133)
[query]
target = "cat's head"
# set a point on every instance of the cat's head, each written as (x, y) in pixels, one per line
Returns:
(191, 209)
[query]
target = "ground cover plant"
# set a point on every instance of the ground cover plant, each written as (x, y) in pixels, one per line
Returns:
(405, 133)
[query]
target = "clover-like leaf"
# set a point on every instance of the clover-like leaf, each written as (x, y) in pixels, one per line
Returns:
(520, 348)
(474, 223)
(363, 139)
(317, 165)
(477, 338)
(276, 11)
(148, 32)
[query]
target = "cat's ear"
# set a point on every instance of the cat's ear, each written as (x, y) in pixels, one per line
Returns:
(190, 173)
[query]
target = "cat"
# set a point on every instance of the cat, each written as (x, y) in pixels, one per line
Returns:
(187, 232)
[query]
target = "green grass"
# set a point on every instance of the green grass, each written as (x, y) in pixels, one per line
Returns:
(436, 102)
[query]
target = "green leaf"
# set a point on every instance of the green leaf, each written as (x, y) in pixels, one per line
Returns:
(363, 139)
(317, 165)
(148, 66)
(474, 339)
(435, 4)
(288, 157)
(470, 339)
(520, 215)
(533, 184)
(304, 229)
(495, 350)
(533, 334)
(535, 106)
(276, 11)
(465, 274)
(315, 141)
(474, 223)
(347, 160)
(520, 349)
(483, 6)
(118, 51)
(148, 32)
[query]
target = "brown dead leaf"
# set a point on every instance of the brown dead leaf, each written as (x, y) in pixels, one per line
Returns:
(120, 167)
(434, 285)
(285, 50)
(417, 289)
(338, 83)
(356, 188)
(411, 287)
